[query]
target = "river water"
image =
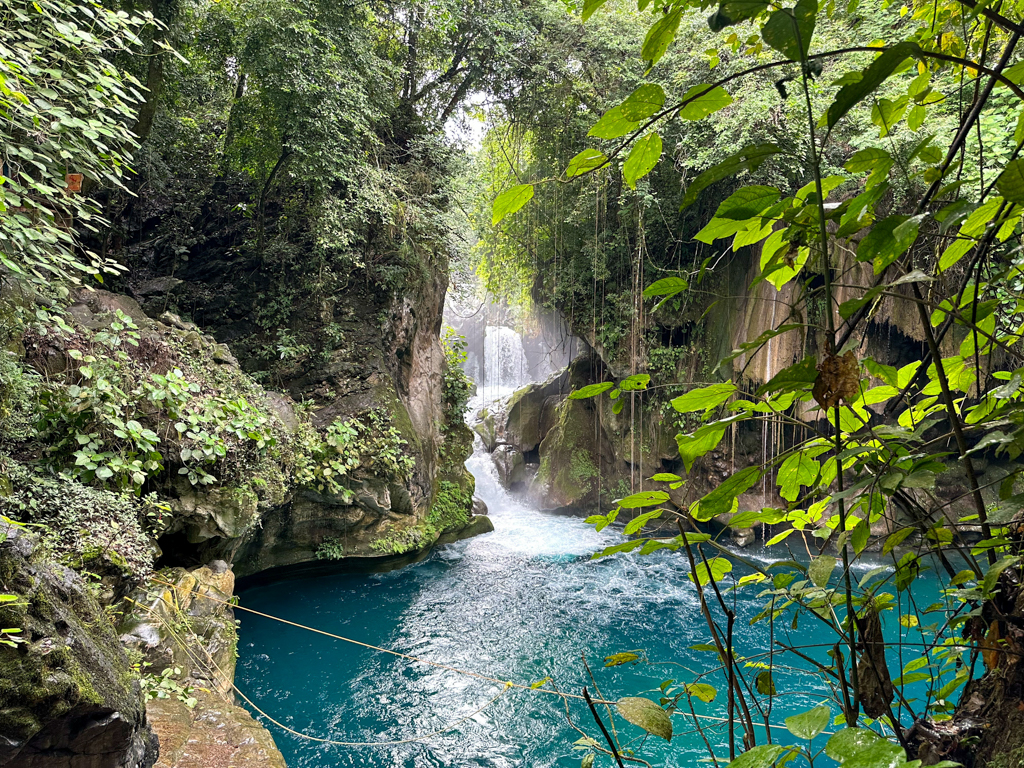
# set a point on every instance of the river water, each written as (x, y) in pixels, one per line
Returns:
(521, 603)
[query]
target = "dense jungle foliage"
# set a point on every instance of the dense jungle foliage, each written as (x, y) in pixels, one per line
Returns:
(268, 168)
(868, 155)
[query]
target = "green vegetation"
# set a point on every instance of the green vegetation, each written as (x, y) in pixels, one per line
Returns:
(369, 442)
(853, 214)
(67, 109)
(330, 549)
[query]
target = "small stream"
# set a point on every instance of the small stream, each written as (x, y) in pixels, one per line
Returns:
(521, 603)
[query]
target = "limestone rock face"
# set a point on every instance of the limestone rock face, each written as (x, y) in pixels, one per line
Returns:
(215, 734)
(68, 696)
(183, 621)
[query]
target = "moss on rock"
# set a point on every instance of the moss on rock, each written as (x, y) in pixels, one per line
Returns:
(70, 676)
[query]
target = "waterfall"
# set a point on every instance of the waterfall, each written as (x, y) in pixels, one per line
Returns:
(504, 367)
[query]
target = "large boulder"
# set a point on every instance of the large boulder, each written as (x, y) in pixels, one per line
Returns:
(68, 693)
(184, 622)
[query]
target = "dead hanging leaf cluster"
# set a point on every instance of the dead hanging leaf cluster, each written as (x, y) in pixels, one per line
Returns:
(838, 379)
(876, 689)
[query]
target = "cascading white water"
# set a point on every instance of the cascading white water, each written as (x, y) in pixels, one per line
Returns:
(504, 367)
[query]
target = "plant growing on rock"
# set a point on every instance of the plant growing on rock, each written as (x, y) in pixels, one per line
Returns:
(368, 442)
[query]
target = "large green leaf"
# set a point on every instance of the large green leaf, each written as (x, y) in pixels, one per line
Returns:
(811, 723)
(702, 691)
(666, 286)
(887, 241)
(643, 102)
(645, 714)
(798, 376)
(1011, 182)
(586, 161)
(799, 469)
(747, 202)
(642, 158)
(871, 77)
(511, 201)
(862, 748)
(660, 36)
(820, 570)
(789, 30)
(703, 100)
(763, 756)
(589, 6)
(720, 566)
(699, 443)
(705, 398)
(643, 499)
(591, 390)
(747, 159)
(721, 500)
(613, 124)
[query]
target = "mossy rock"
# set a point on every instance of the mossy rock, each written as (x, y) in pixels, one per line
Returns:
(69, 690)
(568, 459)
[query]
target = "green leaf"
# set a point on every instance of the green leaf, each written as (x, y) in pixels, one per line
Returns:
(638, 522)
(907, 570)
(586, 161)
(636, 383)
(705, 398)
(645, 714)
(645, 101)
(917, 116)
(809, 724)
(873, 76)
(667, 286)
(874, 160)
(702, 691)
(511, 201)
(862, 748)
(861, 534)
(734, 11)
(763, 756)
(1011, 182)
(697, 444)
(799, 469)
(789, 30)
(747, 202)
(721, 500)
(887, 241)
(988, 585)
(798, 376)
(643, 499)
(618, 659)
(720, 566)
(747, 159)
(642, 158)
(613, 124)
(703, 100)
(591, 390)
(589, 6)
(895, 539)
(820, 570)
(764, 683)
(660, 36)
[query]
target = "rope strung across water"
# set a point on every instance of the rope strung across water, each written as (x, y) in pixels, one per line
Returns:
(507, 685)
(421, 737)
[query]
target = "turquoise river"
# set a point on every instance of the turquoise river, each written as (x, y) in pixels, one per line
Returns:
(522, 603)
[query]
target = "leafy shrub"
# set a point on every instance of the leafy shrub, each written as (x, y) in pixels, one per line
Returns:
(457, 386)
(370, 442)
(85, 527)
(330, 549)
